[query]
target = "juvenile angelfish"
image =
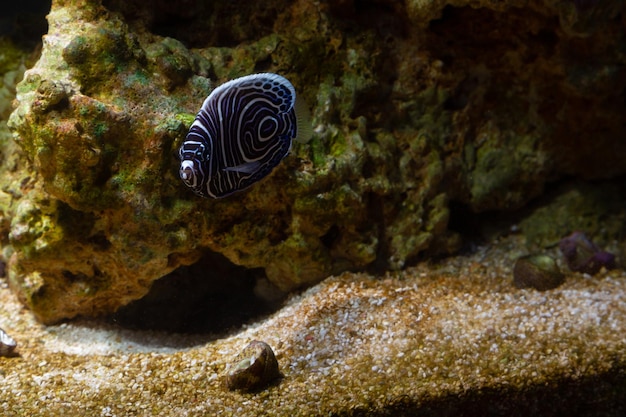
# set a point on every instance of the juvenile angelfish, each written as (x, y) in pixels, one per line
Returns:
(244, 128)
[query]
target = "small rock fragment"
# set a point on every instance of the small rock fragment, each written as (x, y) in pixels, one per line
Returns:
(253, 369)
(49, 95)
(537, 271)
(582, 255)
(7, 344)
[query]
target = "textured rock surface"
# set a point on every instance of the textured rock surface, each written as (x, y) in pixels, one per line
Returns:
(453, 338)
(595, 208)
(415, 105)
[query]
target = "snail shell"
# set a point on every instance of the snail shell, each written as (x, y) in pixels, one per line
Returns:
(537, 271)
(7, 344)
(253, 368)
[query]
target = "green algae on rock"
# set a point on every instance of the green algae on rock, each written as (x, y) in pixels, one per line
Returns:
(410, 113)
(97, 135)
(595, 208)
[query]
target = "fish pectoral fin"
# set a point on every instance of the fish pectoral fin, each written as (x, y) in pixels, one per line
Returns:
(303, 120)
(246, 168)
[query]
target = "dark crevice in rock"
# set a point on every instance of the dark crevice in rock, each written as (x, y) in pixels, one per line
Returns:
(465, 222)
(24, 21)
(478, 228)
(377, 214)
(567, 205)
(99, 241)
(74, 222)
(202, 24)
(264, 65)
(211, 296)
(330, 236)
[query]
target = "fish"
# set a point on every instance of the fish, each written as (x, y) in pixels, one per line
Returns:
(243, 130)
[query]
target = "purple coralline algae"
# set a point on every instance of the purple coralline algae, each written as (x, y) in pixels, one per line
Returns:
(582, 255)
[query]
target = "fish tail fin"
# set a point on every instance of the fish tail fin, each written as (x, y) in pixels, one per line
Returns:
(303, 120)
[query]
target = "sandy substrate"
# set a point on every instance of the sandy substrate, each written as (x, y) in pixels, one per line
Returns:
(440, 338)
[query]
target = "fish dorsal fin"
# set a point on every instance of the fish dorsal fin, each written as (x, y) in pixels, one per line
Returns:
(246, 168)
(303, 120)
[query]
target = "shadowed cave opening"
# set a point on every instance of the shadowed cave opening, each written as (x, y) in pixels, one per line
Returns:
(566, 205)
(212, 295)
(25, 21)
(201, 23)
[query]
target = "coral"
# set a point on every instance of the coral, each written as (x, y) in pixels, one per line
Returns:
(410, 112)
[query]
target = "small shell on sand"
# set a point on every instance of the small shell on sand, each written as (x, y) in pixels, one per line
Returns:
(537, 271)
(7, 344)
(253, 369)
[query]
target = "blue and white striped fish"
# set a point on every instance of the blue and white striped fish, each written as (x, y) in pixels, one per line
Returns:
(243, 130)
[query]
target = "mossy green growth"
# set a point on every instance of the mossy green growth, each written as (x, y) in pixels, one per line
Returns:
(29, 84)
(595, 209)
(230, 63)
(500, 165)
(35, 230)
(341, 201)
(317, 151)
(139, 76)
(173, 60)
(338, 145)
(186, 119)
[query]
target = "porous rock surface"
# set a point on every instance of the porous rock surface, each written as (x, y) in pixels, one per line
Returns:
(415, 105)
